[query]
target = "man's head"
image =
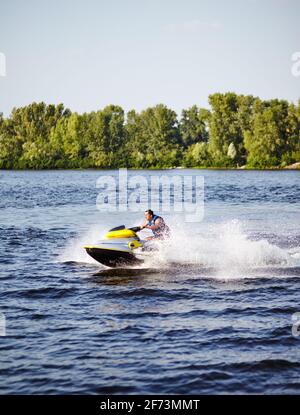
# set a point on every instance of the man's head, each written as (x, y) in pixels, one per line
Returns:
(149, 214)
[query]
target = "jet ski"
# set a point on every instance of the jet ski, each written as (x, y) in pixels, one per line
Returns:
(121, 246)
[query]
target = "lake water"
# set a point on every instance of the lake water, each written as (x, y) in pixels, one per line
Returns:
(210, 313)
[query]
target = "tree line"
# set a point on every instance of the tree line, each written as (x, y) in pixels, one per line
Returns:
(236, 131)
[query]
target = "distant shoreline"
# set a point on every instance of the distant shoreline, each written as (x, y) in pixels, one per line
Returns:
(287, 168)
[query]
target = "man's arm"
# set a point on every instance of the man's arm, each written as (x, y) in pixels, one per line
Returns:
(144, 225)
(156, 225)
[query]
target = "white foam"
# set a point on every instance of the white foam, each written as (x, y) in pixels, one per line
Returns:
(223, 246)
(74, 251)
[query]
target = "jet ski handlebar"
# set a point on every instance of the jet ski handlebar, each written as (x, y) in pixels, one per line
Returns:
(135, 228)
(119, 228)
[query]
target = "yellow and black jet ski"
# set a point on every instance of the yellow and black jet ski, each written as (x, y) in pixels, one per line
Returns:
(120, 247)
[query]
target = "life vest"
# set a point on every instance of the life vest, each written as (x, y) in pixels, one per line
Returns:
(162, 231)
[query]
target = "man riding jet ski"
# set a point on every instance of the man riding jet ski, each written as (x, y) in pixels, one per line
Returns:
(156, 224)
(122, 246)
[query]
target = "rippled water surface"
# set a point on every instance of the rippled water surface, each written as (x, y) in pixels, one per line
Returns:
(211, 312)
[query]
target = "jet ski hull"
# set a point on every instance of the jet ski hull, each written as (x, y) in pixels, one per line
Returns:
(113, 258)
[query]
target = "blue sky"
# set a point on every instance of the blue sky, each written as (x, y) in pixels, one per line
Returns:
(88, 54)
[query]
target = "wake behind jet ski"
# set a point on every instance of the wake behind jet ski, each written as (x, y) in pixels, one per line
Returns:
(121, 246)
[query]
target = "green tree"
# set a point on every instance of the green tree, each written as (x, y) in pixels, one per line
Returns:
(197, 155)
(155, 139)
(75, 145)
(231, 117)
(28, 130)
(136, 146)
(193, 125)
(224, 127)
(291, 153)
(10, 147)
(106, 137)
(267, 141)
